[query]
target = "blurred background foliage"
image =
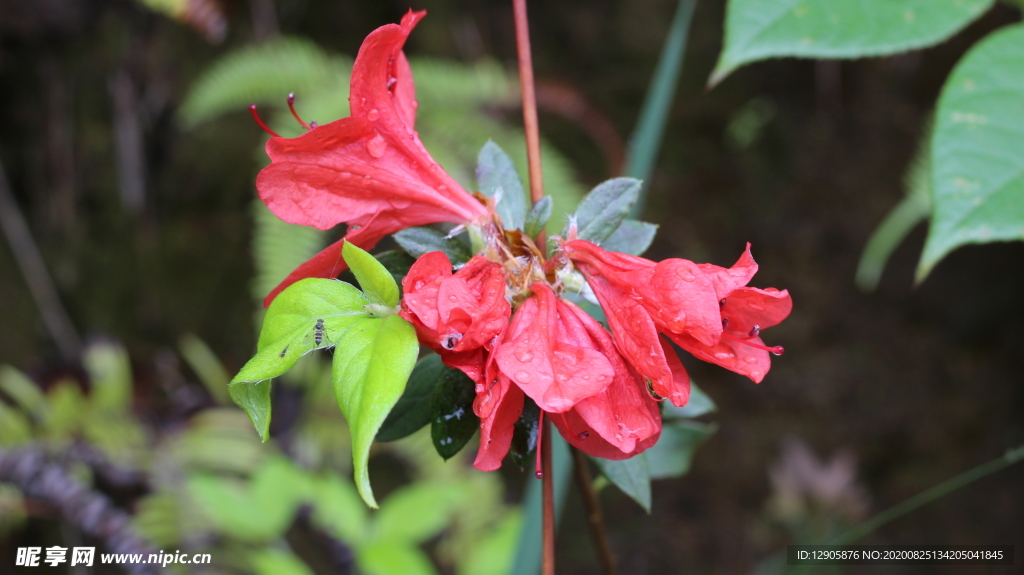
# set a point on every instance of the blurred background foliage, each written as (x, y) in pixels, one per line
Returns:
(124, 135)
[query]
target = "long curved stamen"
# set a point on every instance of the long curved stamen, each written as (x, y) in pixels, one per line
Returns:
(777, 350)
(538, 466)
(255, 116)
(291, 106)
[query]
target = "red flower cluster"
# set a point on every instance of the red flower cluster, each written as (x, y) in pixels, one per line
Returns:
(500, 318)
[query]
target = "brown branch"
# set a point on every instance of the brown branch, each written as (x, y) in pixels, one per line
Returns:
(529, 100)
(594, 518)
(548, 531)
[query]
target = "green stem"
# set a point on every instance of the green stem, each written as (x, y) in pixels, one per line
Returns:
(646, 139)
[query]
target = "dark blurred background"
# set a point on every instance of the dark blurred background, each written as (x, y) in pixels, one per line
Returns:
(146, 234)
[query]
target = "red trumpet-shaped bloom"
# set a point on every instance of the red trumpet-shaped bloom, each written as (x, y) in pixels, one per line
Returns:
(705, 309)
(369, 170)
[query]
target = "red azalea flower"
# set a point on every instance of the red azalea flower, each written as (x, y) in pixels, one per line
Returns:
(703, 308)
(368, 170)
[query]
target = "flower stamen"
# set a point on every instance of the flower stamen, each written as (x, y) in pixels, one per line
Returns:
(255, 116)
(291, 106)
(776, 350)
(538, 466)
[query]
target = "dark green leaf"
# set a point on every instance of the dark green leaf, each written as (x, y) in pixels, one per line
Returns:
(373, 278)
(672, 455)
(631, 475)
(422, 240)
(412, 411)
(370, 371)
(631, 237)
(977, 163)
(453, 422)
(698, 405)
(495, 173)
(759, 29)
(524, 434)
(538, 217)
(397, 262)
(604, 208)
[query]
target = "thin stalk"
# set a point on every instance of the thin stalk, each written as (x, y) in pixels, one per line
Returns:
(529, 100)
(594, 517)
(548, 530)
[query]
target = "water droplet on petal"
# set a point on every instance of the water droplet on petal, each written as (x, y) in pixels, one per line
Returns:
(756, 374)
(750, 359)
(583, 435)
(453, 297)
(375, 147)
(373, 114)
(524, 355)
(724, 355)
(686, 275)
(601, 377)
(523, 376)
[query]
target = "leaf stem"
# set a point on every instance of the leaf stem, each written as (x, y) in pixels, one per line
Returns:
(594, 518)
(529, 99)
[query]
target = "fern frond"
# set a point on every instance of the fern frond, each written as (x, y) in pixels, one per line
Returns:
(279, 248)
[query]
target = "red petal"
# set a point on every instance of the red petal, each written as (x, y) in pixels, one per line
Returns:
(624, 413)
(747, 307)
(499, 407)
(730, 354)
(578, 434)
(681, 298)
(739, 275)
(679, 392)
(549, 356)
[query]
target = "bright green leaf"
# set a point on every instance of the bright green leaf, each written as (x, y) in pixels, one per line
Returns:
(227, 504)
(417, 512)
(453, 422)
(977, 162)
(386, 558)
(604, 209)
(412, 411)
(538, 217)
(277, 488)
(370, 372)
(759, 29)
(374, 279)
(421, 240)
(631, 237)
(672, 455)
(339, 510)
(631, 475)
(254, 398)
(271, 561)
(496, 174)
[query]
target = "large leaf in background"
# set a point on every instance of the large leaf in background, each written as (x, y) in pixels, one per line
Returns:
(415, 513)
(370, 372)
(673, 454)
(423, 240)
(977, 162)
(759, 29)
(632, 237)
(453, 422)
(386, 558)
(312, 313)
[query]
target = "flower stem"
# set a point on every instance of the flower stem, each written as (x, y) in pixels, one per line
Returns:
(529, 99)
(594, 519)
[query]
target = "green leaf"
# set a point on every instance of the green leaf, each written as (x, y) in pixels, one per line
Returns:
(227, 504)
(423, 240)
(977, 162)
(397, 262)
(277, 488)
(415, 513)
(386, 558)
(631, 475)
(15, 428)
(759, 29)
(271, 561)
(453, 422)
(631, 237)
(538, 217)
(254, 398)
(23, 391)
(205, 364)
(524, 434)
(495, 172)
(494, 552)
(672, 455)
(370, 371)
(412, 411)
(699, 404)
(110, 371)
(339, 510)
(604, 208)
(374, 278)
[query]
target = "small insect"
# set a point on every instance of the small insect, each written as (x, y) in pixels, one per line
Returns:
(650, 390)
(318, 332)
(283, 351)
